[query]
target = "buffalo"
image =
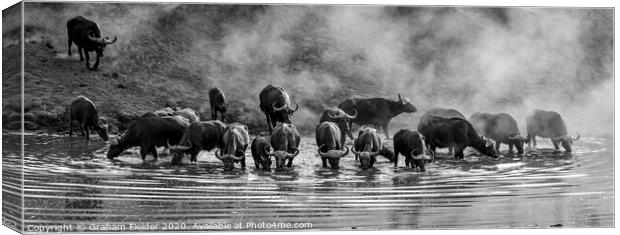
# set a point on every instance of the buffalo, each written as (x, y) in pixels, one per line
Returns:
(367, 146)
(285, 143)
(276, 104)
(235, 140)
(548, 124)
(341, 118)
(453, 132)
(149, 133)
(444, 113)
(330, 147)
(501, 128)
(260, 147)
(83, 110)
(376, 111)
(218, 103)
(412, 145)
(197, 137)
(86, 35)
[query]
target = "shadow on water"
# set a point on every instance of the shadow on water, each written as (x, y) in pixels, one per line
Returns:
(70, 180)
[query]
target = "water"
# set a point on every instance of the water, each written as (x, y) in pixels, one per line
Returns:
(69, 180)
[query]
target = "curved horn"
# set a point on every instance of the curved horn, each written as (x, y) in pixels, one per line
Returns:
(296, 107)
(354, 152)
(345, 153)
(292, 155)
(168, 144)
(372, 154)
(107, 40)
(277, 109)
(322, 154)
(238, 158)
(331, 115)
(353, 116)
(575, 138)
(181, 148)
(95, 39)
(217, 155)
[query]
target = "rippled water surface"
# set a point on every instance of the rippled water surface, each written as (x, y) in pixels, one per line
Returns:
(69, 180)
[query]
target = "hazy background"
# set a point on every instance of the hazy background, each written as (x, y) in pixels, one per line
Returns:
(473, 59)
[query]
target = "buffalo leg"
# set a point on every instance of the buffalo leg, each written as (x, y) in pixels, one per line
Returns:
(458, 152)
(154, 151)
(193, 155)
(80, 51)
(243, 163)
(385, 130)
(96, 65)
(85, 130)
(71, 126)
(555, 144)
(396, 159)
(343, 137)
(534, 140)
(497, 144)
(324, 160)
(290, 163)
(257, 164)
(87, 57)
(450, 150)
(510, 146)
(144, 149)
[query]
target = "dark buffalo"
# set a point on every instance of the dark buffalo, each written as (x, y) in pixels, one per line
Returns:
(188, 113)
(197, 137)
(285, 143)
(260, 148)
(367, 146)
(453, 132)
(501, 128)
(376, 111)
(149, 133)
(218, 103)
(412, 145)
(276, 104)
(84, 112)
(236, 140)
(86, 35)
(330, 147)
(548, 124)
(444, 113)
(341, 118)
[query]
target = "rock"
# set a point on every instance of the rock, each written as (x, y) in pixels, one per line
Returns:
(115, 75)
(121, 86)
(48, 45)
(105, 74)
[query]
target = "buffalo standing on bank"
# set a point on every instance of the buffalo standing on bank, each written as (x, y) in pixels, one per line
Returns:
(84, 112)
(376, 111)
(217, 100)
(87, 36)
(548, 124)
(276, 104)
(330, 147)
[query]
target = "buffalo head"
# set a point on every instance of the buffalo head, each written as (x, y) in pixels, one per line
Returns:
(405, 105)
(229, 159)
(101, 42)
(116, 148)
(366, 158)
(334, 156)
(486, 147)
(281, 157)
(567, 141)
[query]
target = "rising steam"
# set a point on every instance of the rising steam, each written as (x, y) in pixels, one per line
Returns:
(473, 59)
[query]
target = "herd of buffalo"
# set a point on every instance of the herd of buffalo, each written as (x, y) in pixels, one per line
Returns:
(182, 132)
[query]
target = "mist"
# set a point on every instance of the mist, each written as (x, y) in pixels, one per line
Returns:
(511, 60)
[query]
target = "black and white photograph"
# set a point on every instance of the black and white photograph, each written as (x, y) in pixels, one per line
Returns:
(122, 117)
